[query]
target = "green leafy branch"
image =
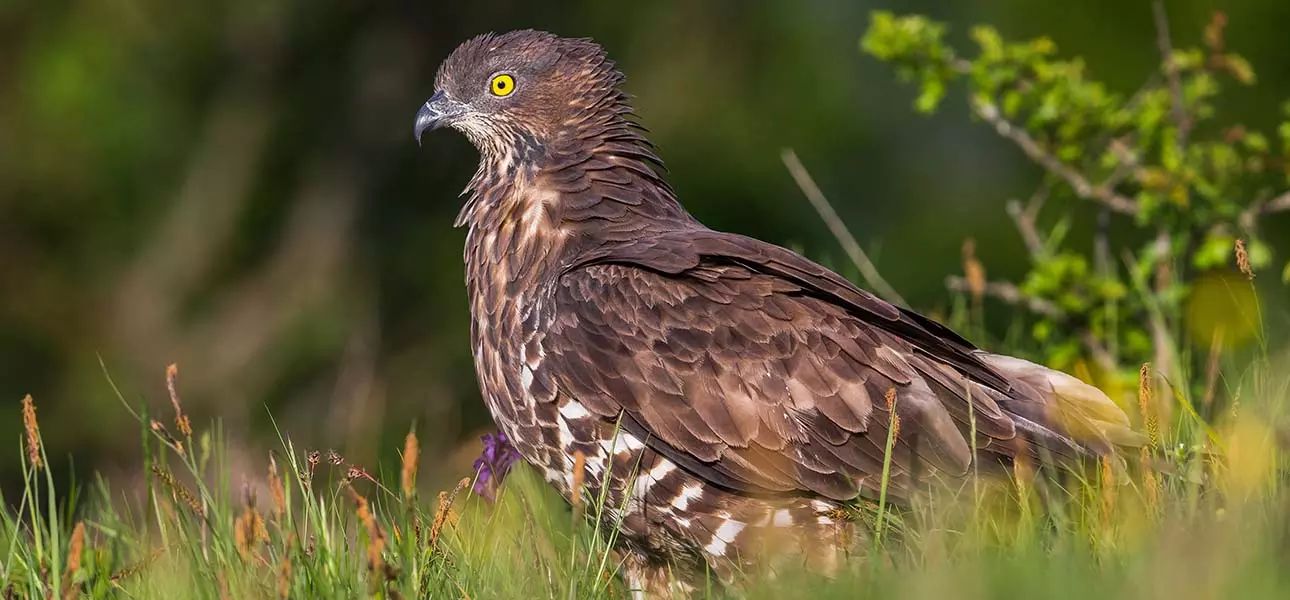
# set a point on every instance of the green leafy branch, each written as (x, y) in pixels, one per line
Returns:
(1158, 156)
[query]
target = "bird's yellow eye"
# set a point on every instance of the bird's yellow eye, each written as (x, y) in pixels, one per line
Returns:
(502, 85)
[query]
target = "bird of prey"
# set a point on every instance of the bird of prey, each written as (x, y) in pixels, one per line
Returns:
(729, 397)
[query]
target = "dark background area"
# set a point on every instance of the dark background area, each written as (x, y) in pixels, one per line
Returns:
(233, 187)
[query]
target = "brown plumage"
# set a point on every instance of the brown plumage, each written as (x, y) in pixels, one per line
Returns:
(728, 392)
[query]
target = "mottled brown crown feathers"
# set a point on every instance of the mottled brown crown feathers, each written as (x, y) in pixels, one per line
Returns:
(540, 48)
(567, 124)
(568, 89)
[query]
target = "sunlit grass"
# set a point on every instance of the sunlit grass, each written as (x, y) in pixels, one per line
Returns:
(1207, 515)
(1202, 511)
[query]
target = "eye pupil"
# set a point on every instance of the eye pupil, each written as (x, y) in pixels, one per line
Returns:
(503, 85)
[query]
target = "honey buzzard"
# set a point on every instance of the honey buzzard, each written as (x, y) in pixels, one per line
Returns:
(731, 395)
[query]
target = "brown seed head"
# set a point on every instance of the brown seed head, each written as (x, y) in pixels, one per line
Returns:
(1214, 31)
(375, 535)
(170, 440)
(33, 432)
(284, 568)
(1146, 405)
(136, 568)
(973, 270)
(307, 476)
(1108, 490)
(276, 490)
(444, 513)
(75, 549)
(249, 530)
(891, 408)
(411, 454)
(1150, 484)
(177, 490)
(172, 386)
(1243, 259)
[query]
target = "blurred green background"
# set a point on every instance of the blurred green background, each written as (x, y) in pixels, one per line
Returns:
(233, 186)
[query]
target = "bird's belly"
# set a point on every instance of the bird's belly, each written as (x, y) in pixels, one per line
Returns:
(662, 511)
(658, 509)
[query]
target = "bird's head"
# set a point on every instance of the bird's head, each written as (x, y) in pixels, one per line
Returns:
(523, 91)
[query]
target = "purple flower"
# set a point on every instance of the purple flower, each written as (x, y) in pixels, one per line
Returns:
(493, 464)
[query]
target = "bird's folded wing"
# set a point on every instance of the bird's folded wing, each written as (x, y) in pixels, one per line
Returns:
(758, 382)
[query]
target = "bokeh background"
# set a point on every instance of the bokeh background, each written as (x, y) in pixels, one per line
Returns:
(233, 186)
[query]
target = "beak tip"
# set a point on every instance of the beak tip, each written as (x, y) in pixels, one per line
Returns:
(437, 111)
(425, 120)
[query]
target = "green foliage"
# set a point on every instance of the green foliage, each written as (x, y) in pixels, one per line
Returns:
(1192, 184)
(917, 48)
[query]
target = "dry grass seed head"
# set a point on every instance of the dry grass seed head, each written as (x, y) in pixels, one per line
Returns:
(375, 537)
(1243, 259)
(1107, 490)
(136, 568)
(172, 387)
(411, 454)
(1214, 31)
(307, 476)
(1146, 404)
(444, 512)
(284, 568)
(170, 440)
(891, 408)
(75, 549)
(276, 490)
(33, 432)
(1150, 484)
(249, 530)
(973, 270)
(177, 491)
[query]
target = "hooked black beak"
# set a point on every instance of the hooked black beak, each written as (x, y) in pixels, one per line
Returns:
(438, 111)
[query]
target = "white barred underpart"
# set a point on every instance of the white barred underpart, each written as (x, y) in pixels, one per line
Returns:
(712, 524)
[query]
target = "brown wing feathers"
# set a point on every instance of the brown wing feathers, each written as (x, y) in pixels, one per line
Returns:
(766, 387)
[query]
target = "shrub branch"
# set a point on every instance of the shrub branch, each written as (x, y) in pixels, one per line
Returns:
(1080, 184)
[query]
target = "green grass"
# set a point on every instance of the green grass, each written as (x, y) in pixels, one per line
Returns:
(1204, 513)
(1209, 518)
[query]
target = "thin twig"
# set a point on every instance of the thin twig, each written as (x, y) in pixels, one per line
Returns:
(1025, 218)
(1178, 107)
(1104, 358)
(1159, 322)
(1082, 186)
(1102, 243)
(1025, 227)
(1009, 293)
(1164, 251)
(1249, 218)
(849, 245)
(1127, 165)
